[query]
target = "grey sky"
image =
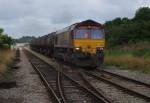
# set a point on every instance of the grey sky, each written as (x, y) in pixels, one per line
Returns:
(39, 17)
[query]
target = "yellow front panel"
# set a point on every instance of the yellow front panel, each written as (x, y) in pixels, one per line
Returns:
(89, 45)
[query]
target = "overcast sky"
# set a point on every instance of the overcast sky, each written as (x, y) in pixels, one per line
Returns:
(39, 17)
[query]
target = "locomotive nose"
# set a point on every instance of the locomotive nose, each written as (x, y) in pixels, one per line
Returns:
(89, 46)
(88, 49)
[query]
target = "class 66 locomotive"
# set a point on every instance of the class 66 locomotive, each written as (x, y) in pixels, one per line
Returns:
(81, 44)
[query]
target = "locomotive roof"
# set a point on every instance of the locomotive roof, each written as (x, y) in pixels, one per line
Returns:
(73, 26)
(89, 23)
(83, 23)
(69, 28)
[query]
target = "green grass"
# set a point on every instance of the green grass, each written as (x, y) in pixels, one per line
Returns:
(133, 57)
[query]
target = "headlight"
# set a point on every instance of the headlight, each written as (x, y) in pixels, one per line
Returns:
(100, 48)
(77, 48)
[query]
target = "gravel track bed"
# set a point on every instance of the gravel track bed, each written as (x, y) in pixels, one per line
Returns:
(116, 95)
(50, 74)
(131, 74)
(73, 93)
(128, 84)
(29, 86)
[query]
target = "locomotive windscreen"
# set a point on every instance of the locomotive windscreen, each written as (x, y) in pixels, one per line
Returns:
(82, 33)
(86, 33)
(97, 33)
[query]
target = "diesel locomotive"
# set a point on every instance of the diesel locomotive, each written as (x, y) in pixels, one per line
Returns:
(81, 44)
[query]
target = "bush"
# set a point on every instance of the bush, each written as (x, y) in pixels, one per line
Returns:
(124, 31)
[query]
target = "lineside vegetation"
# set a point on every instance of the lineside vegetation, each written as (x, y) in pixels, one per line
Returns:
(6, 54)
(128, 41)
(6, 58)
(5, 40)
(131, 57)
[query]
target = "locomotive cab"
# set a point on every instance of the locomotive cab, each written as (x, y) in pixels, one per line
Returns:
(89, 40)
(88, 43)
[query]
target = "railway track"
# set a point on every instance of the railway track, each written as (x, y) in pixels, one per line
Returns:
(128, 85)
(64, 87)
(124, 77)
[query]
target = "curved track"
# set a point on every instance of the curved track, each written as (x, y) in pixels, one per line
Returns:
(64, 88)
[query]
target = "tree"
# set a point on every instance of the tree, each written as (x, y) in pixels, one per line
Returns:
(7, 40)
(108, 23)
(1, 39)
(117, 21)
(24, 39)
(4, 38)
(142, 14)
(125, 20)
(1, 31)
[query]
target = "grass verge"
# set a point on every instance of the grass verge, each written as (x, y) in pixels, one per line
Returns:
(6, 58)
(134, 57)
